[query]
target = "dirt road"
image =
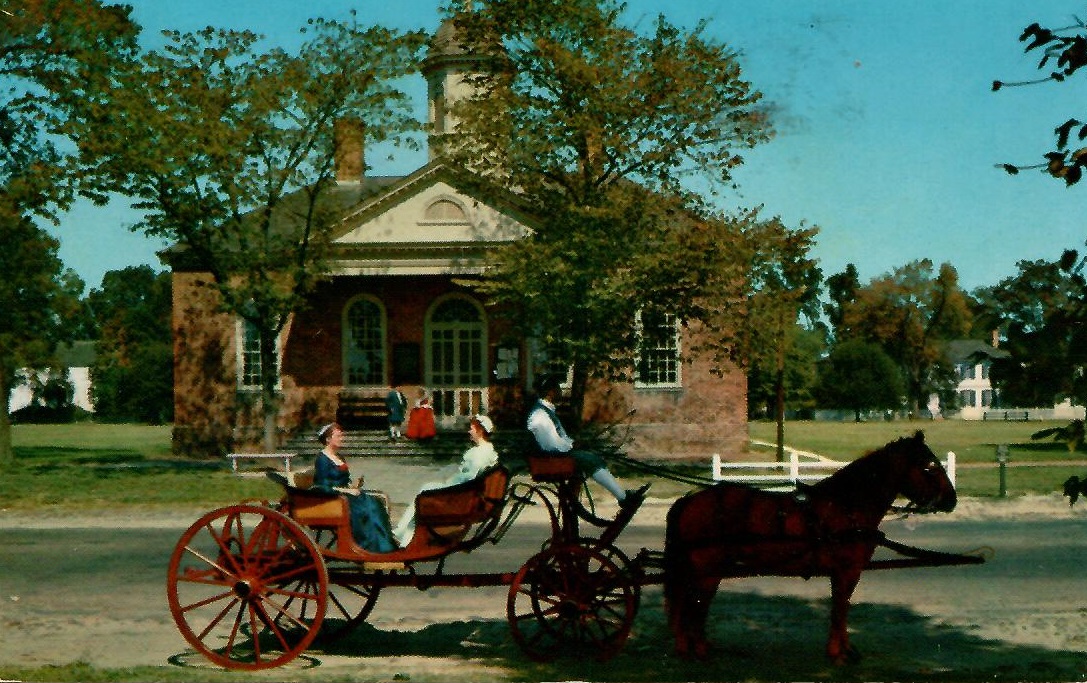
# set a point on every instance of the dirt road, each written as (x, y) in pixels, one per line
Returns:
(93, 590)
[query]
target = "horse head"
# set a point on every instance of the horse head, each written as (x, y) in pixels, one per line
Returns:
(924, 482)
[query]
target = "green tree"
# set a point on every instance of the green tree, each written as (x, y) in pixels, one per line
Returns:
(809, 345)
(231, 153)
(859, 376)
(601, 127)
(132, 374)
(841, 290)
(54, 55)
(1064, 52)
(781, 285)
(1041, 313)
(912, 313)
(38, 297)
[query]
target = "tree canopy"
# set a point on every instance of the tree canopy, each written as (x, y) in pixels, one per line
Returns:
(132, 374)
(602, 128)
(231, 153)
(1063, 53)
(859, 376)
(55, 55)
(911, 313)
(1041, 313)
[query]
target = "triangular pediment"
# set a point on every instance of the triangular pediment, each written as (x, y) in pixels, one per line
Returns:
(428, 208)
(428, 223)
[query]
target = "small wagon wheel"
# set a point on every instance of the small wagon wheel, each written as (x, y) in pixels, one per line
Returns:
(247, 587)
(572, 599)
(619, 559)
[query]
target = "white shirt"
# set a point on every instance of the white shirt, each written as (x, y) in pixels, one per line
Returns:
(475, 460)
(546, 431)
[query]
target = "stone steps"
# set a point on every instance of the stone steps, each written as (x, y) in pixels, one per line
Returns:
(375, 443)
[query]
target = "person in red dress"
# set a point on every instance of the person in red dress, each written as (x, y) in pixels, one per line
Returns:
(421, 419)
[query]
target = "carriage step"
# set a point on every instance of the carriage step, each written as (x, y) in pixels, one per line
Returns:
(383, 566)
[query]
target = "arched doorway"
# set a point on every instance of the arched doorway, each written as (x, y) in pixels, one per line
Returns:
(456, 358)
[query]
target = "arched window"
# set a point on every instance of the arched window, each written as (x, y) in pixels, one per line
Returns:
(445, 210)
(364, 343)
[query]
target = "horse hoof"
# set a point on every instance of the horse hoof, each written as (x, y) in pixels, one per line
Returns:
(850, 656)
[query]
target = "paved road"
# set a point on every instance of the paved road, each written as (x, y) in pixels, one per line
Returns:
(97, 595)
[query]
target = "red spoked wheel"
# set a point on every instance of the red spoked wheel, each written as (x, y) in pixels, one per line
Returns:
(572, 600)
(247, 587)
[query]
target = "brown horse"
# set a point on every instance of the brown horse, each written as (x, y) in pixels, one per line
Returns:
(827, 529)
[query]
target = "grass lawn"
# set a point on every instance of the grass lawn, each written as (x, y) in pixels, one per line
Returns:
(87, 465)
(102, 466)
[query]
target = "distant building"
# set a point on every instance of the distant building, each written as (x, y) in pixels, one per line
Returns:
(979, 400)
(77, 359)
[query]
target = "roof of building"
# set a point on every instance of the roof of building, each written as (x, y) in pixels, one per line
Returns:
(80, 354)
(960, 350)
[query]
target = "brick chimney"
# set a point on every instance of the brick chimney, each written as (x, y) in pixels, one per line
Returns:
(348, 138)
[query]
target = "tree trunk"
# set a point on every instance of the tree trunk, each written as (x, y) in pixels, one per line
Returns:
(578, 386)
(7, 451)
(269, 376)
(779, 407)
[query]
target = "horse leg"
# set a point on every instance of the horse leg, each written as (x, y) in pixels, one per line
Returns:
(842, 584)
(688, 610)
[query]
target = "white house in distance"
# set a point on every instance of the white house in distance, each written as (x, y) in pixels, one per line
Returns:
(978, 400)
(77, 359)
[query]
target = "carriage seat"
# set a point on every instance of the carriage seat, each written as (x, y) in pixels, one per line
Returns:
(552, 468)
(446, 514)
(468, 502)
(314, 507)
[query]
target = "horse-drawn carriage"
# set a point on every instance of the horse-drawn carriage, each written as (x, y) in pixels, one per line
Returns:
(251, 586)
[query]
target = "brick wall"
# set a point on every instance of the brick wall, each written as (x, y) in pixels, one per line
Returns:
(708, 415)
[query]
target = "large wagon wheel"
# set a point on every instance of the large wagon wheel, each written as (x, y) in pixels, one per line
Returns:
(247, 587)
(571, 599)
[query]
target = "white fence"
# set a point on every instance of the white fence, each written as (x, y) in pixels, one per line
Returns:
(798, 467)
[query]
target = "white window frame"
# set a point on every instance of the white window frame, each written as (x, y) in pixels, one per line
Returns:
(672, 350)
(244, 350)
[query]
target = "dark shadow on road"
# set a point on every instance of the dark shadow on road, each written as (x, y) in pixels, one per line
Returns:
(756, 638)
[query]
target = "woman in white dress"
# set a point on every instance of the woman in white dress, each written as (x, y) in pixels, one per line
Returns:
(476, 459)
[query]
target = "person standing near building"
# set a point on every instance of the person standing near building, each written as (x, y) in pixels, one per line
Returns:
(397, 405)
(552, 439)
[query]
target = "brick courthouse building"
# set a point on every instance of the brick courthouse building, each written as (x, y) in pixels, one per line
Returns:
(394, 310)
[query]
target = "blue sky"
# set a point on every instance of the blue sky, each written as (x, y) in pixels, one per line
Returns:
(887, 129)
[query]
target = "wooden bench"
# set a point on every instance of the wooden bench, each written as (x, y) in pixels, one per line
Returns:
(1006, 415)
(235, 457)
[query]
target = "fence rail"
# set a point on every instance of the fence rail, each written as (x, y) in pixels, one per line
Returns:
(799, 467)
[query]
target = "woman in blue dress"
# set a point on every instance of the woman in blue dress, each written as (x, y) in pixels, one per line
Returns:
(370, 525)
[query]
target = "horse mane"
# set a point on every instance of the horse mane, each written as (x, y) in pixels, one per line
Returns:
(866, 469)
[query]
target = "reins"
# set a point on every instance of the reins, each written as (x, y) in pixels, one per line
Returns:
(661, 471)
